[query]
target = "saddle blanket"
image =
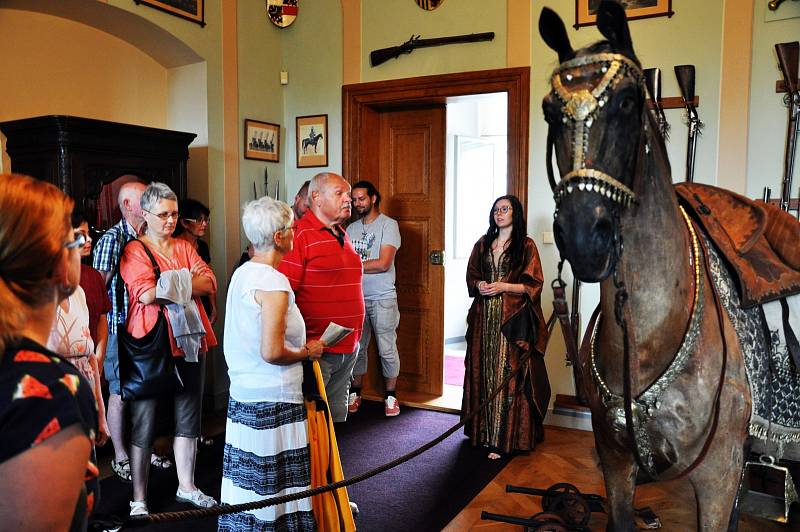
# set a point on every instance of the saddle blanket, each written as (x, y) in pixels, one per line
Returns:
(774, 381)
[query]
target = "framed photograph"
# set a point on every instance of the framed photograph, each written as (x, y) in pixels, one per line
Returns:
(188, 9)
(586, 10)
(312, 141)
(262, 141)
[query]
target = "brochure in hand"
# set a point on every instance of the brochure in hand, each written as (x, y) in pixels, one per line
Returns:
(334, 334)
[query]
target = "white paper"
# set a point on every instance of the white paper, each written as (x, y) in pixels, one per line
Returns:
(334, 334)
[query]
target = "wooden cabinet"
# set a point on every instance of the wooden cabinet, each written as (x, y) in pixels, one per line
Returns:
(81, 156)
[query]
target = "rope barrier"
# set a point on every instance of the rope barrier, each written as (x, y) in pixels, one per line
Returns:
(136, 522)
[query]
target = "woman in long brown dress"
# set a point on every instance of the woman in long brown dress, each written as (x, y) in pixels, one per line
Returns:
(505, 322)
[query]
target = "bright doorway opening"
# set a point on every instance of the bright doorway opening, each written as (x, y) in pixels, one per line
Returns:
(476, 167)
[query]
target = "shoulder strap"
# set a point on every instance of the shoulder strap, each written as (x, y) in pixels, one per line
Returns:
(120, 281)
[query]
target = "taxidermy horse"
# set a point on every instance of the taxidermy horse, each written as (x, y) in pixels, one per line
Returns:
(311, 141)
(665, 371)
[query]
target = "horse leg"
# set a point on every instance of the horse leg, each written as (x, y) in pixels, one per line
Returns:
(619, 474)
(716, 485)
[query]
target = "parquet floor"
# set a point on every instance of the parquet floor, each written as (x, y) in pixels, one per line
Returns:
(568, 455)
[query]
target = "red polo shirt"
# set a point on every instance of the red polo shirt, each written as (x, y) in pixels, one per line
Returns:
(325, 274)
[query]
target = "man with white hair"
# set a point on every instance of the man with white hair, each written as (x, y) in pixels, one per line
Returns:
(106, 260)
(325, 273)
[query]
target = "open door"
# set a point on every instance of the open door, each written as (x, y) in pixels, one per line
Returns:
(393, 134)
(411, 180)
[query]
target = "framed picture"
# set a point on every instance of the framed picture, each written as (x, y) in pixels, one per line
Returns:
(586, 10)
(262, 141)
(312, 141)
(188, 9)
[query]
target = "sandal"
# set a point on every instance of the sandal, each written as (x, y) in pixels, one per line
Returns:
(122, 469)
(196, 497)
(138, 509)
(160, 462)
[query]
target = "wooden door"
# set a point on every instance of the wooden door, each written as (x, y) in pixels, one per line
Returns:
(410, 178)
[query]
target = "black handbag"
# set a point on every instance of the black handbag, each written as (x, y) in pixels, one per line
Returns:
(146, 364)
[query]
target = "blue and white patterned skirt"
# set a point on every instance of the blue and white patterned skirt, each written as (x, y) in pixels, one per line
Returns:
(266, 455)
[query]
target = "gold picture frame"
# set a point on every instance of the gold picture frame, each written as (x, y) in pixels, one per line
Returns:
(586, 10)
(188, 9)
(312, 141)
(262, 141)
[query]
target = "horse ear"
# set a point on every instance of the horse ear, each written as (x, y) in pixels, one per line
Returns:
(554, 33)
(613, 24)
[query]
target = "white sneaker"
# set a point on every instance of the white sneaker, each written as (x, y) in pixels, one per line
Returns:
(391, 406)
(138, 508)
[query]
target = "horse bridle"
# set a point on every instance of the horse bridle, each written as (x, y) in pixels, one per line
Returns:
(581, 107)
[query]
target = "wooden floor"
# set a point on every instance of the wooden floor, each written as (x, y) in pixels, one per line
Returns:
(568, 455)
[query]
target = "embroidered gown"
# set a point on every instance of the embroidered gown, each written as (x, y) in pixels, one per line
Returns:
(500, 329)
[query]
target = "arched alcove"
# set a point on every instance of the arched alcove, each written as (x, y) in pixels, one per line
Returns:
(95, 60)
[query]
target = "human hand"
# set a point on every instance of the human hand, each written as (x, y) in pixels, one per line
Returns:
(103, 434)
(492, 289)
(314, 349)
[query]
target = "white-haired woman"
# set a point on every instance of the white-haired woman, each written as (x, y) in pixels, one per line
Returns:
(160, 210)
(266, 439)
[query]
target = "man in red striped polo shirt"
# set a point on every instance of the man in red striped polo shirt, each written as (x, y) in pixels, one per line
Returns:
(325, 273)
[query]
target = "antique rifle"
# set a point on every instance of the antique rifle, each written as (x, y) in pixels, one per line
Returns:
(787, 58)
(685, 75)
(575, 318)
(652, 78)
(377, 57)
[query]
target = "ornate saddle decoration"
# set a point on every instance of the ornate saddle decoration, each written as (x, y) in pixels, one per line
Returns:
(760, 246)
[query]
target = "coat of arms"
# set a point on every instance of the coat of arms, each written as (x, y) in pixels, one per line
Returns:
(282, 12)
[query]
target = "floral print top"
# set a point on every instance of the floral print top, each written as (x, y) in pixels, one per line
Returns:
(41, 394)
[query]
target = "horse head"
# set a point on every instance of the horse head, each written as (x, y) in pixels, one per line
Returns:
(595, 111)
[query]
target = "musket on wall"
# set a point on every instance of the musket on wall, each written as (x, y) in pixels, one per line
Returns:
(686, 77)
(788, 61)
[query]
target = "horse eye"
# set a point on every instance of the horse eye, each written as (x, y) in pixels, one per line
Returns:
(551, 112)
(627, 104)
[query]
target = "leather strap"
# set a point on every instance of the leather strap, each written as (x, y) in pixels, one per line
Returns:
(791, 338)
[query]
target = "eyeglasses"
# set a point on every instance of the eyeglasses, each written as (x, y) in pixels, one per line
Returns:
(164, 216)
(504, 209)
(201, 220)
(80, 240)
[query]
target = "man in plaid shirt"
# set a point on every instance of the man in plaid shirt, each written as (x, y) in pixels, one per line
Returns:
(106, 260)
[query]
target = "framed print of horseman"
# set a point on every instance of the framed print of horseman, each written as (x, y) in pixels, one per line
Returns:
(312, 141)
(586, 10)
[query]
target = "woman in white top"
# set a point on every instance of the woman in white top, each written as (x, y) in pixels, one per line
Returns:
(266, 439)
(70, 338)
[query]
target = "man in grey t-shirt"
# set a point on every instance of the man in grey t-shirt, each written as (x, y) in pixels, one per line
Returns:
(376, 238)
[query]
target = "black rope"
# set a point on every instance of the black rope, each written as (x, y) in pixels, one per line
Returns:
(133, 522)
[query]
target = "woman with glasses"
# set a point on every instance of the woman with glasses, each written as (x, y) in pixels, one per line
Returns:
(504, 325)
(48, 418)
(71, 334)
(160, 209)
(193, 221)
(266, 439)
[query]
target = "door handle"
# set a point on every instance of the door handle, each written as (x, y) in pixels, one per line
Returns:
(436, 257)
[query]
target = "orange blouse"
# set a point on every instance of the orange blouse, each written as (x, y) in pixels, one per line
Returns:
(137, 272)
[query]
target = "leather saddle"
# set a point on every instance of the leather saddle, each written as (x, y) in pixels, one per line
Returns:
(760, 242)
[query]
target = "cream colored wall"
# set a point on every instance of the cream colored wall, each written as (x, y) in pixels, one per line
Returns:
(387, 23)
(51, 65)
(311, 52)
(768, 115)
(260, 92)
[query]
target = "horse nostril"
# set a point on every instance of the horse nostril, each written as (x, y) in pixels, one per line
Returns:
(602, 233)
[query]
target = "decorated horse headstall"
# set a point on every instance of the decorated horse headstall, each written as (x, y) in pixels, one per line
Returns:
(581, 107)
